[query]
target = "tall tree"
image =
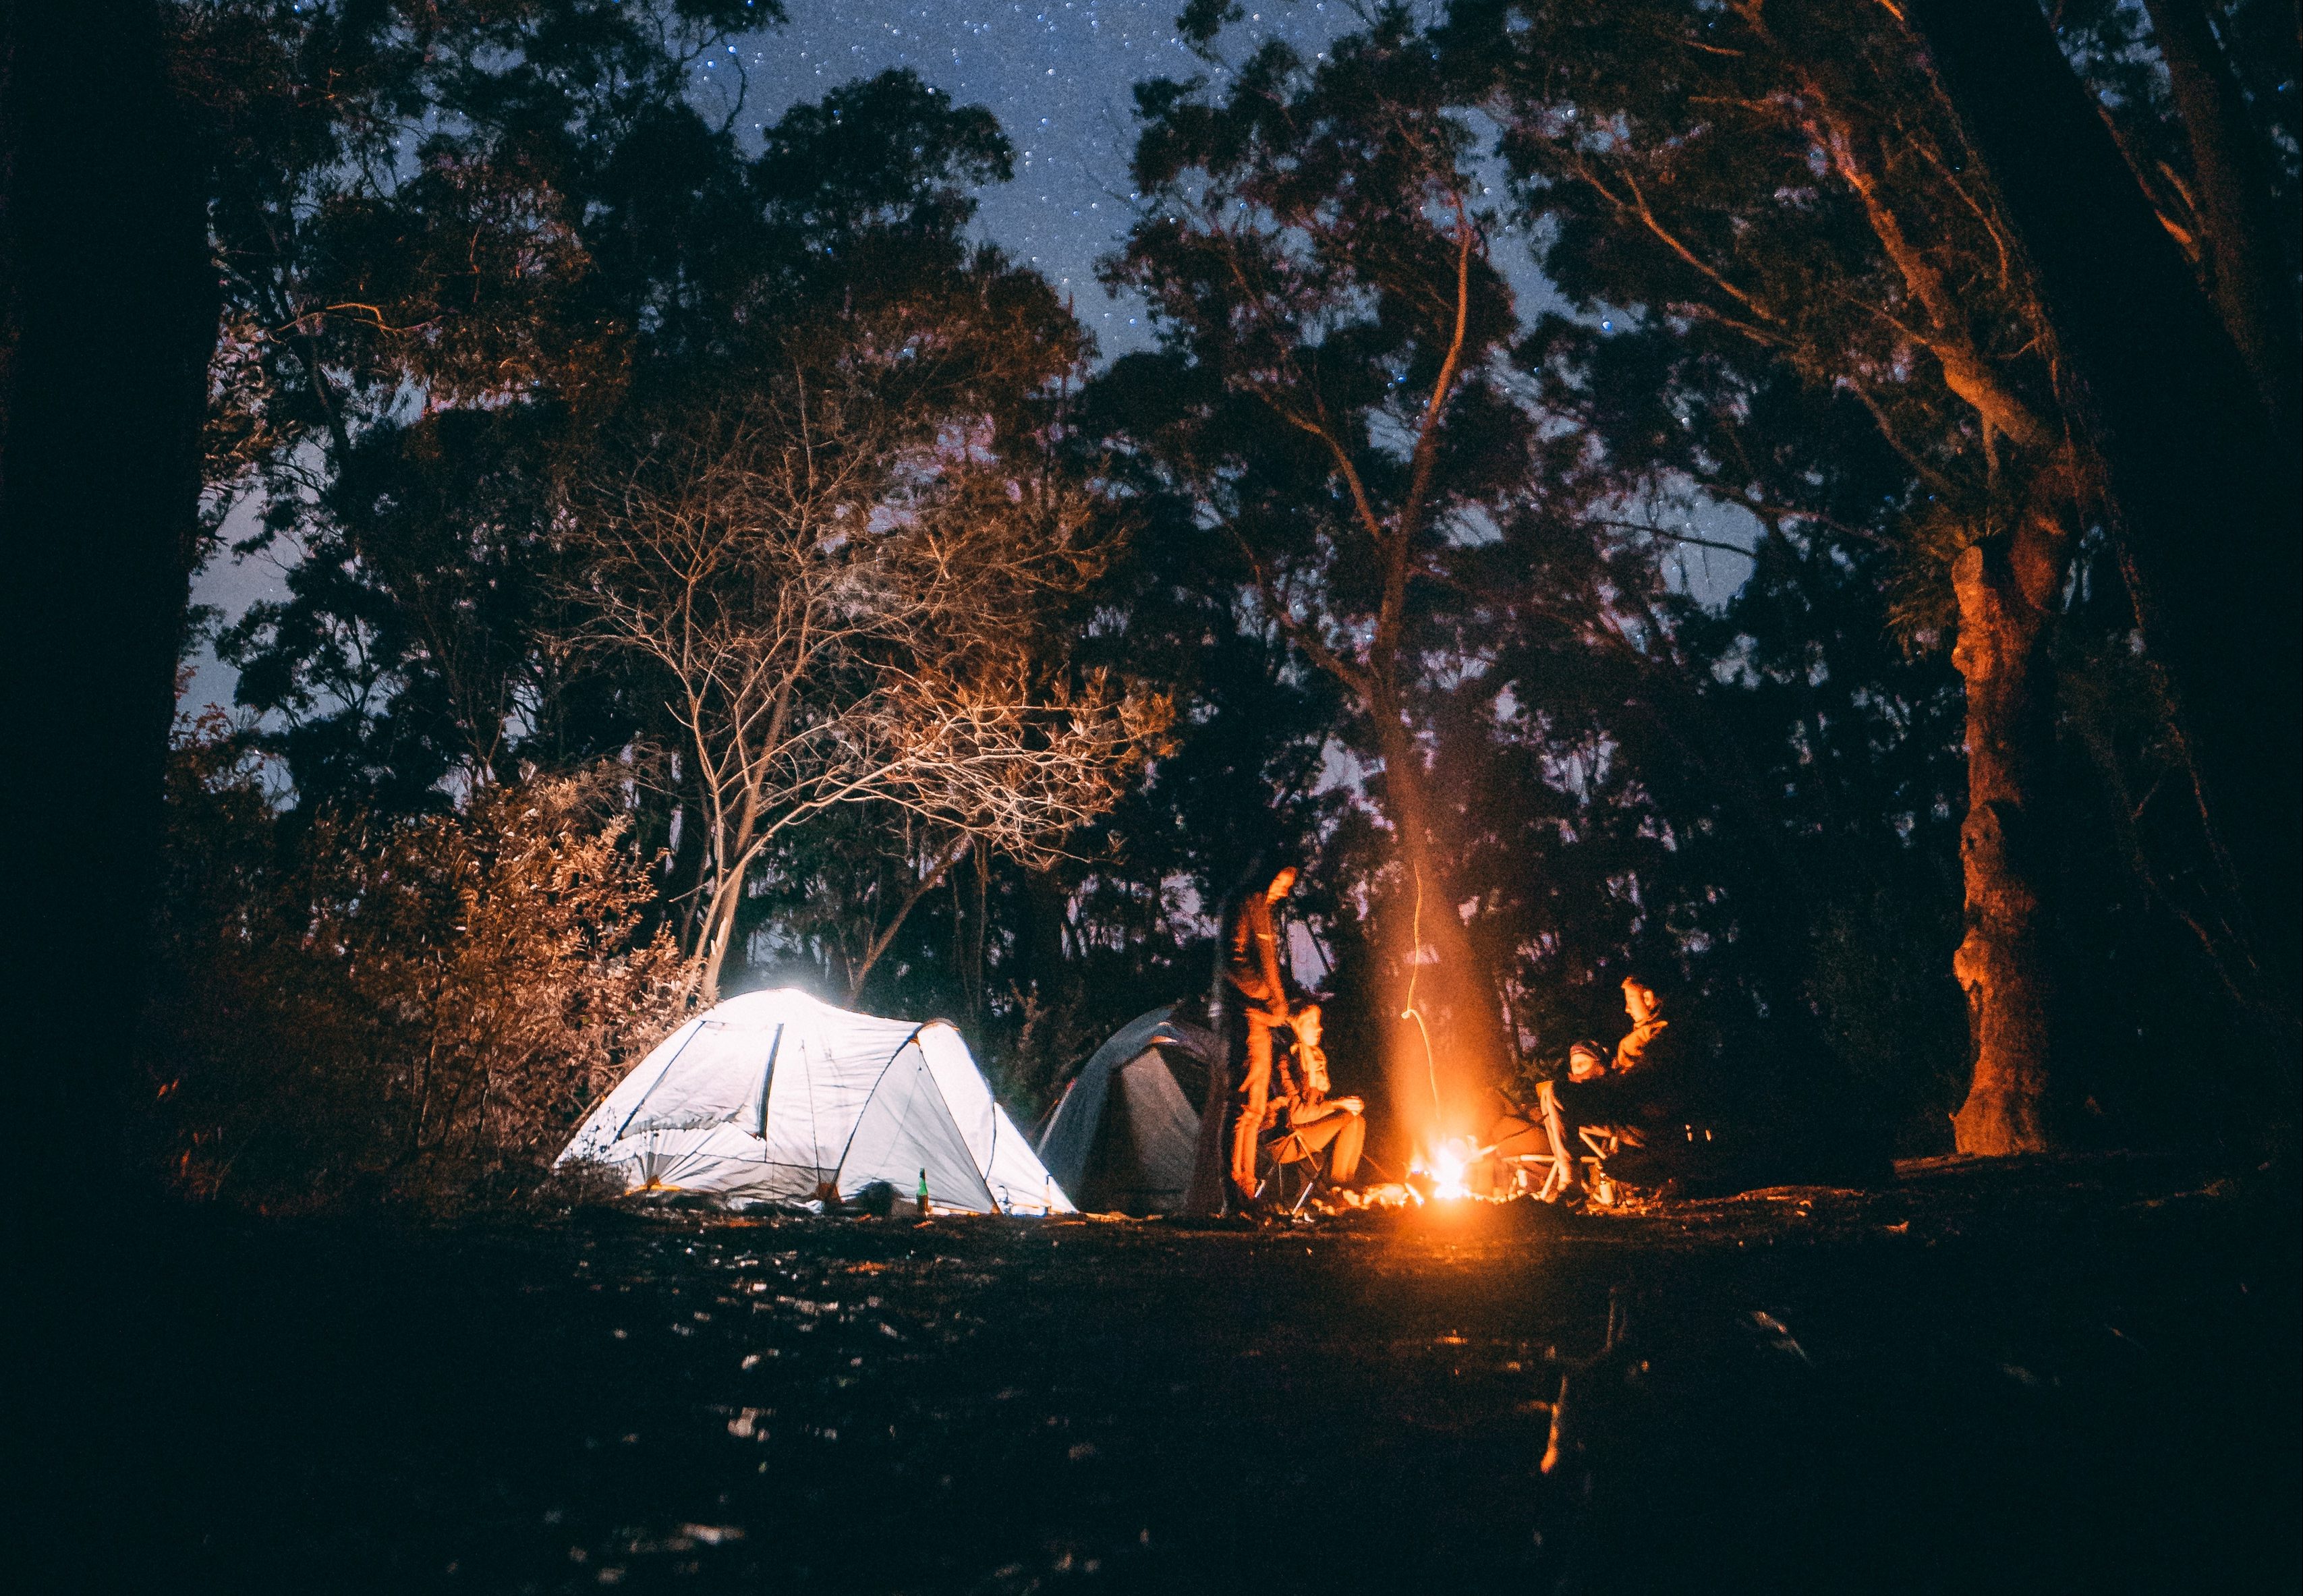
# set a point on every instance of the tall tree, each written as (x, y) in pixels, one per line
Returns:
(442, 275)
(1783, 187)
(2181, 430)
(835, 600)
(107, 320)
(1314, 250)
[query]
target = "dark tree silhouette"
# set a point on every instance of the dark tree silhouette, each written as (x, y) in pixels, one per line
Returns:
(1778, 191)
(2186, 441)
(1315, 252)
(108, 319)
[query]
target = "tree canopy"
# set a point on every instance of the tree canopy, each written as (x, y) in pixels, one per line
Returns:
(1611, 490)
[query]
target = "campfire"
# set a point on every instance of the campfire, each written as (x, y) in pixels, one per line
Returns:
(1439, 1174)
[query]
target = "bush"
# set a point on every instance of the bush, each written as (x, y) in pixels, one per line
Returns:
(356, 1008)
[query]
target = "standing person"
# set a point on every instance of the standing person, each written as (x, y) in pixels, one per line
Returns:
(1252, 967)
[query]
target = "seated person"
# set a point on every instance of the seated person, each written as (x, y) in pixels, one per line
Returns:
(1629, 1096)
(1586, 1095)
(1648, 1025)
(1634, 1098)
(1314, 1118)
(1532, 1126)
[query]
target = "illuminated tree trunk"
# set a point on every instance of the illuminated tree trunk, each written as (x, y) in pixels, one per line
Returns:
(2184, 443)
(1451, 996)
(2007, 589)
(718, 927)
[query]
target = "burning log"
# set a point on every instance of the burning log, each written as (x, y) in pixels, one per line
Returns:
(1444, 1173)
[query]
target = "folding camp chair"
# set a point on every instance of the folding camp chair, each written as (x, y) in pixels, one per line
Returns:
(1604, 1144)
(1600, 1145)
(1277, 1155)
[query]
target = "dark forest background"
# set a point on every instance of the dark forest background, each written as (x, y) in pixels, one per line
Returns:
(710, 567)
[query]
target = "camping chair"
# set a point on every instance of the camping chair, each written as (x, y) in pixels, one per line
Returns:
(1604, 1144)
(1277, 1155)
(1600, 1143)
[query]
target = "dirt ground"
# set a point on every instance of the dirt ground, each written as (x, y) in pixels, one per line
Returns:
(2051, 1377)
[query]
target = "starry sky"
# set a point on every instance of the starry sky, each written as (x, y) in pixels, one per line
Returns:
(1056, 73)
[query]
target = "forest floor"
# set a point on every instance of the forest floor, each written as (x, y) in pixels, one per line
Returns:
(2051, 1376)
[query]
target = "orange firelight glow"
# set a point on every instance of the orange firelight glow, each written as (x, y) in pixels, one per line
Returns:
(1445, 1165)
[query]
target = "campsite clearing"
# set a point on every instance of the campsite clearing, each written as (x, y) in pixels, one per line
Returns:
(1942, 1387)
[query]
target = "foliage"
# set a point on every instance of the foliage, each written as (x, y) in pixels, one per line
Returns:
(370, 1007)
(839, 586)
(1793, 294)
(1314, 253)
(449, 449)
(1536, 515)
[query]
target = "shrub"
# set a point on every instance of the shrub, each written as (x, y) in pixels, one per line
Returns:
(356, 1008)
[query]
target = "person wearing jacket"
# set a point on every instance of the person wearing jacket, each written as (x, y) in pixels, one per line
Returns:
(1252, 967)
(1630, 1096)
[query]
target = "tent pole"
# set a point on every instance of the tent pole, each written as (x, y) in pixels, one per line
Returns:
(768, 1077)
(652, 1084)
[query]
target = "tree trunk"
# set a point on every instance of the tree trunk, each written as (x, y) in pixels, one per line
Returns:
(1040, 940)
(920, 889)
(979, 934)
(719, 931)
(1447, 1005)
(2248, 276)
(2203, 489)
(1210, 1186)
(2007, 588)
(109, 314)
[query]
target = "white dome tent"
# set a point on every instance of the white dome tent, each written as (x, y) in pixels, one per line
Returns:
(774, 1094)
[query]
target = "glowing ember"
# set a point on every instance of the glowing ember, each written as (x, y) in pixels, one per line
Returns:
(1445, 1165)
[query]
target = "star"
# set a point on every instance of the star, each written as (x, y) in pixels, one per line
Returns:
(1057, 73)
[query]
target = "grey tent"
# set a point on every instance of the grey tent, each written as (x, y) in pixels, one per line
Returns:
(1123, 1135)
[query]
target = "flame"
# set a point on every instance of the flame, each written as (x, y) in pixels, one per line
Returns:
(1446, 1166)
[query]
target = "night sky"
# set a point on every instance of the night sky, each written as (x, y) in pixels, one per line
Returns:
(1058, 75)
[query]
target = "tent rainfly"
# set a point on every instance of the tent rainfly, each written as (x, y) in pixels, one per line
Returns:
(774, 1094)
(1125, 1132)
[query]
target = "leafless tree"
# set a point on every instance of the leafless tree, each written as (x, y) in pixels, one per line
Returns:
(840, 584)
